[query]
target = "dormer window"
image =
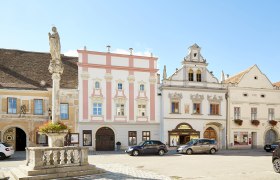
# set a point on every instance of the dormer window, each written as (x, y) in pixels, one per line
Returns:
(190, 75)
(97, 85)
(198, 76)
(119, 86)
(142, 87)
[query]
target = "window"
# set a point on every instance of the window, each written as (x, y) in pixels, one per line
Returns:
(175, 107)
(240, 138)
(141, 110)
(97, 109)
(196, 108)
(146, 135)
(38, 106)
(262, 95)
(12, 105)
(120, 109)
(87, 138)
(97, 85)
(270, 113)
(245, 94)
(214, 109)
(194, 55)
(142, 87)
(119, 86)
(132, 138)
(64, 113)
(255, 77)
(236, 112)
(191, 75)
(253, 113)
(198, 76)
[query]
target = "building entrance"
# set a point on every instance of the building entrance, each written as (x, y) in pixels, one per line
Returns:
(15, 137)
(182, 134)
(105, 139)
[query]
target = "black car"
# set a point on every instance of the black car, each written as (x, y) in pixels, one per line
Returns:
(276, 159)
(147, 147)
(272, 146)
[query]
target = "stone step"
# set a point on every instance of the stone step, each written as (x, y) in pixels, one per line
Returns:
(21, 173)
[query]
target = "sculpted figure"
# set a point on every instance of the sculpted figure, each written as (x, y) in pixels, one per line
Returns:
(55, 45)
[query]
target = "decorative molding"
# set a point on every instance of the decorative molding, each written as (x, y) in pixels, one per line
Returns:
(175, 95)
(85, 76)
(197, 97)
(131, 78)
(214, 98)
(108, 77)
(153, 79)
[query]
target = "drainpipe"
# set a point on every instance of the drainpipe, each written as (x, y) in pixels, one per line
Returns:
(227, 117)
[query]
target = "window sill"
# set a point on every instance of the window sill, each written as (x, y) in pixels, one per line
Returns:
(214, 115)
(174, 113)
(196, 114)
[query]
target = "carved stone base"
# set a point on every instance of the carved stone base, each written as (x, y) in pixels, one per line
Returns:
(56, 139)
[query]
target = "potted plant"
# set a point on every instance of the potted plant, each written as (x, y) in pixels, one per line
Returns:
(118, 145)
(273, 122)
(238, 121)
(255, 122)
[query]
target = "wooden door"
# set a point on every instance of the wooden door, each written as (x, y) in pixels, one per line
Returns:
(270, 136)
(105, 139)
(210, 133)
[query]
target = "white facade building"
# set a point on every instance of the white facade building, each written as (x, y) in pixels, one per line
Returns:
(118, 99)
(254, 110)
(193, 103)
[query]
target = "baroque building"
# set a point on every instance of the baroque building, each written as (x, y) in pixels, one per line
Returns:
(26, 95)
(192, 103)
(118, 99)
(253, 109)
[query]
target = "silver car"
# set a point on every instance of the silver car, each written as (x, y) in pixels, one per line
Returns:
(199, 146)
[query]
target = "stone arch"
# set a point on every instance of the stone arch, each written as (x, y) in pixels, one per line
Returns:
(16, 136)
(219, 129)
(270, 135)
(105, 139)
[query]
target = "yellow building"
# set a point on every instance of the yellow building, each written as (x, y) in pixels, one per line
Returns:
(26, 94)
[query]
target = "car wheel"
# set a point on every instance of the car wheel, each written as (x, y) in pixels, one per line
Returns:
(189, 151)
(212, 151)
(267, 150)
(276, 165)
(2, 156)
(135, 153)
(161, 152)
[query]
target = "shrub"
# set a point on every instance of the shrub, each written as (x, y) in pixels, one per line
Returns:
(50, 127)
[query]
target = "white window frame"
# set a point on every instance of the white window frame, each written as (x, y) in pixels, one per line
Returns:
(98, 107)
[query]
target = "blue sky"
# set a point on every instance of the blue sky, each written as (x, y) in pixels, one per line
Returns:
(234, 35)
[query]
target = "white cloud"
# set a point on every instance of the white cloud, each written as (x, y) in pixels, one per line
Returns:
(71, 53)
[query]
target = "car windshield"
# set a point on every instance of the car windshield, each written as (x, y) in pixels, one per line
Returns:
(141, 143)
(191, 142)
(5, 144)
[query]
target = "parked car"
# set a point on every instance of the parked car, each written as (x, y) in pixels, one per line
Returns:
(147, 147)
(199, 146)
(5, 150)
(276, 159)
(272, 146)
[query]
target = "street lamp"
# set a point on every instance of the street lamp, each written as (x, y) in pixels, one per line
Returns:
(50, 114)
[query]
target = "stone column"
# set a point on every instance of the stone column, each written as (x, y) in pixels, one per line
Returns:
(55, 98)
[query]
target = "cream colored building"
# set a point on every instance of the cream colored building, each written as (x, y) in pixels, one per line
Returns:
(193, 103)
(25, 96)
(253, 110)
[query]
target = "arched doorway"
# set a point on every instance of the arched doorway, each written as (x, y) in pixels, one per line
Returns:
(210, 133)
(182, 134)
(105, 139)
(15, 137)
(270, 136)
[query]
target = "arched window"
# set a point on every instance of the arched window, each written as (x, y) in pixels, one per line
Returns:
(119, 86)
(142, 87)
(190, 75)
(97, 85)
(198, 76)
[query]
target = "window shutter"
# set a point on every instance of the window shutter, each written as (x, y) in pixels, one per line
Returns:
(5, 105)
(43, 106)
(18, 106)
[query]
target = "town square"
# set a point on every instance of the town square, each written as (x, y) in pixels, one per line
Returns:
(139, 90)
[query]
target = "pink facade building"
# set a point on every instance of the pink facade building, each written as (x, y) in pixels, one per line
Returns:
(118, 99)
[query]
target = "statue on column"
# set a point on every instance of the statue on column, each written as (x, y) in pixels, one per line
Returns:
(55, 49)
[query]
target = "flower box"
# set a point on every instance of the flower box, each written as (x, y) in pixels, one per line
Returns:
(255, 122)
(272, 122)
(238, 121)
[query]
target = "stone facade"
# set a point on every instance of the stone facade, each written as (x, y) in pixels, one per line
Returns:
(24, 80)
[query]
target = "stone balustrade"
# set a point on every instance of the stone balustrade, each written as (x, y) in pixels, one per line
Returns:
(55, 157)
